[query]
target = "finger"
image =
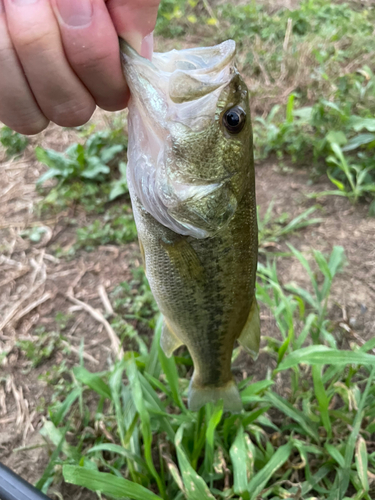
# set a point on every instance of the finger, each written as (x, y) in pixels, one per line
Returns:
(134, 20)
(36, 37)
(91, 47)
(18, 108)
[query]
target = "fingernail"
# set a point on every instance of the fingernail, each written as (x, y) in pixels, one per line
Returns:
(147, 47)
(24, 2)
(75, 13)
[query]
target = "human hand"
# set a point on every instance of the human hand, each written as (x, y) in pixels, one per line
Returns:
(60, 58)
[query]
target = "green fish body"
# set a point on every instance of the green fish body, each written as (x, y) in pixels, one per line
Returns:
(191, 180)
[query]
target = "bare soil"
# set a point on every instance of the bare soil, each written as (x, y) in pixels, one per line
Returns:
(35, 285)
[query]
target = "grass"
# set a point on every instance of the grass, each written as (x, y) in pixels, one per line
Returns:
(309, 437)
(272, 229)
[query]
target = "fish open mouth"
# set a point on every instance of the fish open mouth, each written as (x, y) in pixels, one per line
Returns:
(182, 86)
(172, 96)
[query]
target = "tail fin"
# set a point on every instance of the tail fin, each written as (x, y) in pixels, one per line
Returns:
(199, 396)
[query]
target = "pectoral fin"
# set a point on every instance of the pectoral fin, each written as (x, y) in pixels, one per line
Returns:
(168, 340)
(250, 335)
(184, 259)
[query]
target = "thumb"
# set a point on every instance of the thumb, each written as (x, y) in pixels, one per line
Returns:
(135, 21)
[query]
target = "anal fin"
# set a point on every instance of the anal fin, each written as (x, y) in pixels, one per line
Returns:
(250, 335)
(168, 340)
(199, 396)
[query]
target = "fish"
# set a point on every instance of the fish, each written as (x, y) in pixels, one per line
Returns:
(191, 180)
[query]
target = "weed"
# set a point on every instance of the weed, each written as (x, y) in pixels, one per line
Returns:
(272, 229)
(91, 196)
(35, 234)
(13, 142)
(120, 186)
(327, 132)
(86, 174)
(41, 349)
(86, 162)
(176, 16)
(115, 229)
(311, 307)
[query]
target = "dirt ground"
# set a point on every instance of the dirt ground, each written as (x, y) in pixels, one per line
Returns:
(35, 285)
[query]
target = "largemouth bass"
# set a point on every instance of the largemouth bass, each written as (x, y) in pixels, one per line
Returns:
(191, 181)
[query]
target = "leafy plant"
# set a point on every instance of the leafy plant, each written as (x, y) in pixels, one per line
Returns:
(87, 162)
(87, 174)
(35, 234)
(13, 142)
(120, 186)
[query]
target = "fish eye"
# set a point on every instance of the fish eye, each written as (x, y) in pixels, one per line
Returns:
(234, 119)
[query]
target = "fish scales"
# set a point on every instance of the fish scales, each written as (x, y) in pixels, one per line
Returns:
(198, 234)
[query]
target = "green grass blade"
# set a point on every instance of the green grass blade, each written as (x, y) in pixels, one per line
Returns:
(335, 454)
(120, 450)
(322, 398)
(306, 265)
(368, 346)
(320, 355)
(93, 381)
(65, 406)
(175, 473)
(315, 479)
(350, 446)
(152, 363)
(250, 417)
(255, 388)
(195, 487)
(57, 436)
(296, 415)
(115, 381)
(239, 455)
(300, 221)
(259, 481)
(361, 461)
(213, 422)
(305, 331)
(155, 406)
(108, 484)
(307, 297)
(56, 452)
(169, 368)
